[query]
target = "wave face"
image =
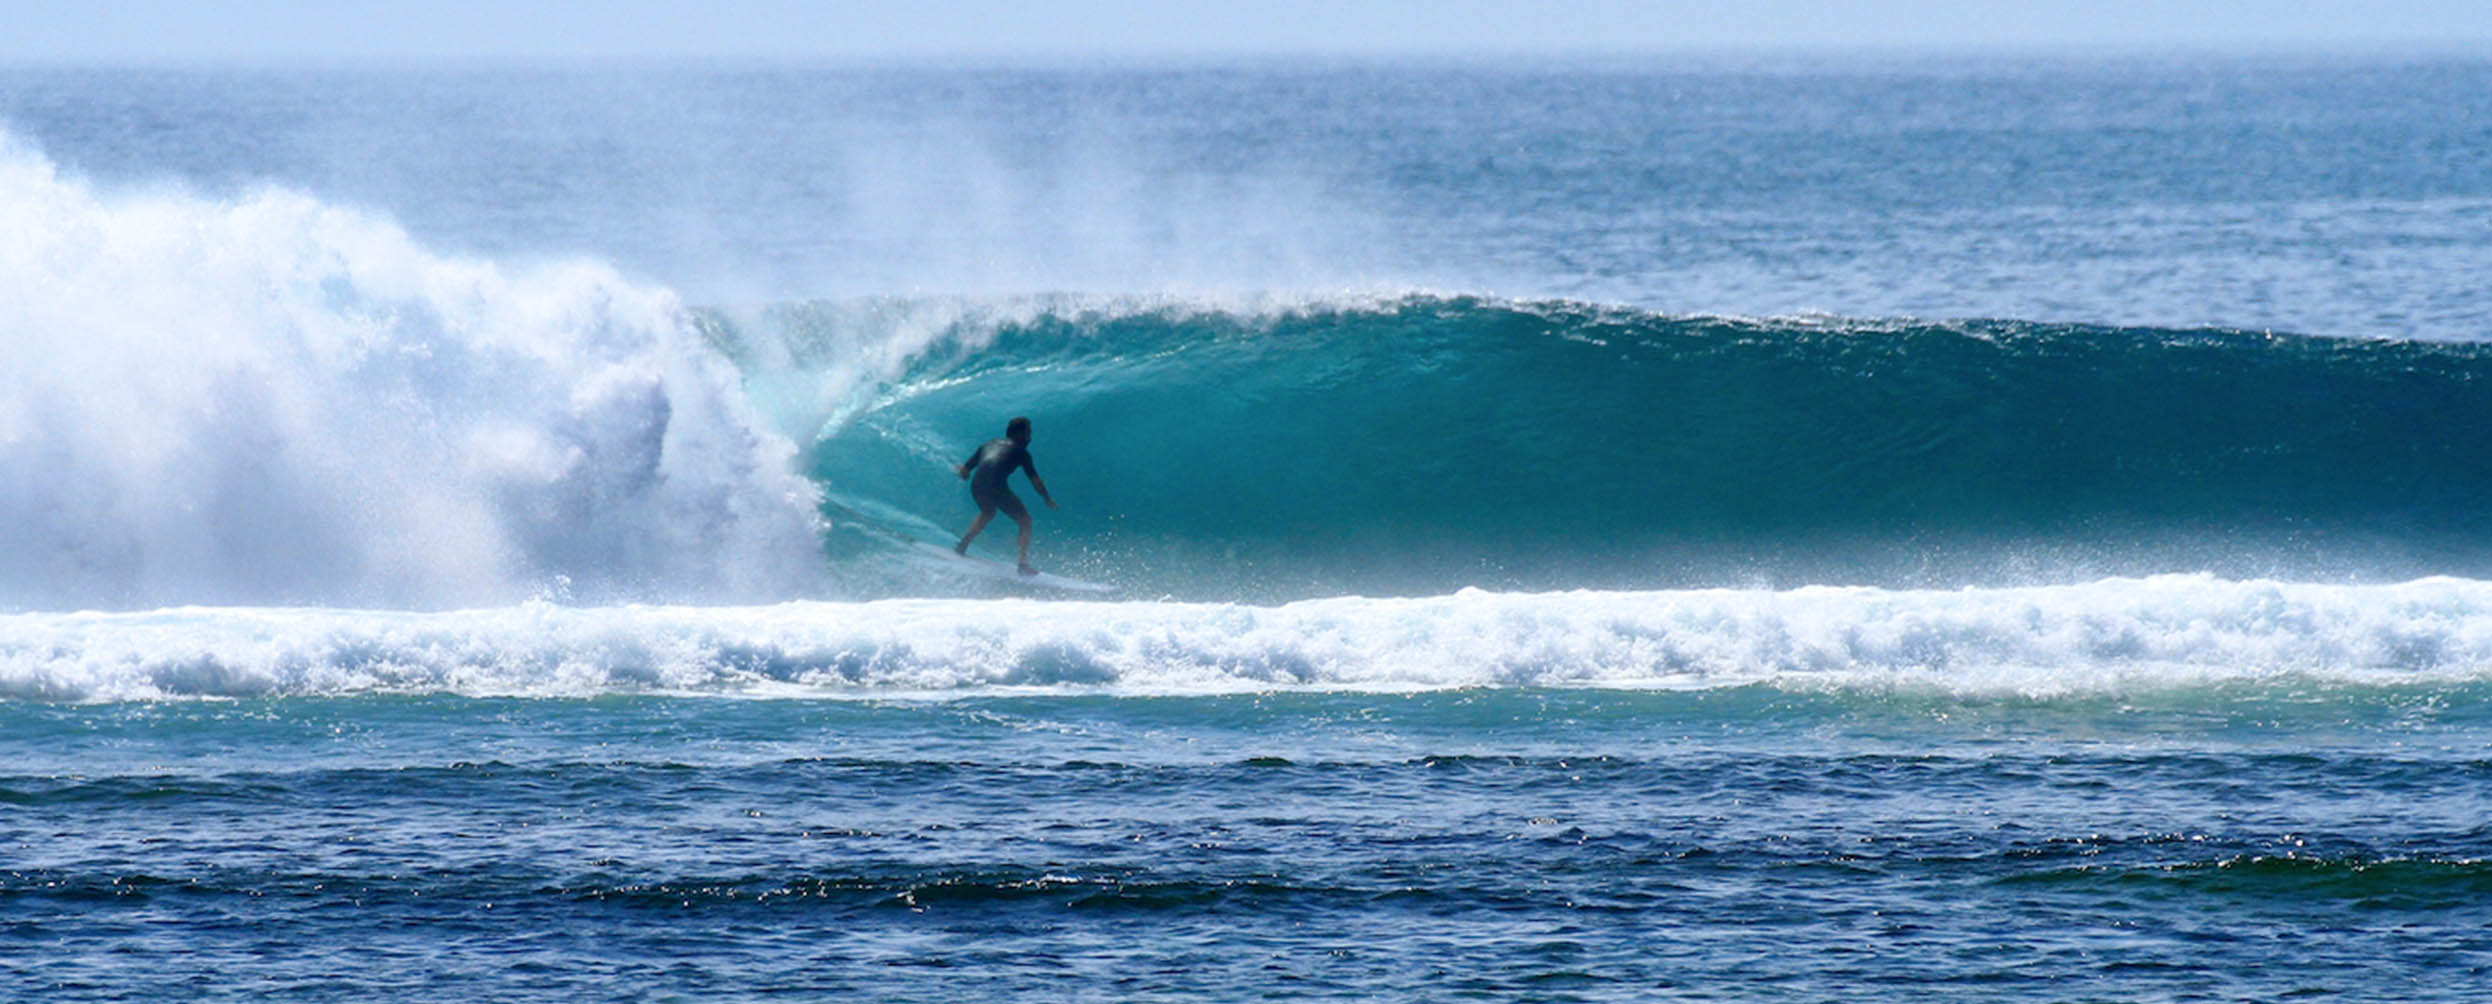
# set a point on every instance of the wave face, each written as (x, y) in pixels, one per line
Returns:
(1418, 444)
(268, 399)
(2163, 638)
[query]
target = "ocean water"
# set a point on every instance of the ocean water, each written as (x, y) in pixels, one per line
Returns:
(1843, 528)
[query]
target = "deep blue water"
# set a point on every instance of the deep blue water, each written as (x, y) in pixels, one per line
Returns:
(1830, 528)
(1750, 843)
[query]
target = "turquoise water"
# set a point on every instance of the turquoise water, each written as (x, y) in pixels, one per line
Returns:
(1843, 529)
(1732, 451)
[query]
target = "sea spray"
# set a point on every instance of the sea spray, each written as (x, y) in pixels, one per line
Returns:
(271, 399)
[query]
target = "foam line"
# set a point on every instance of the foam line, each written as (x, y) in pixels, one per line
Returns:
(2109, 636)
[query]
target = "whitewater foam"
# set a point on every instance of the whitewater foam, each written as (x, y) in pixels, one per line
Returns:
(270, 399)
(2114, 636)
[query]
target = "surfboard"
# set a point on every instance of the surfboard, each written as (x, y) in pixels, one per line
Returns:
(1003, 572)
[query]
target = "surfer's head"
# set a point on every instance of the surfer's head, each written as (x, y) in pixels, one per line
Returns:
(1018, 430)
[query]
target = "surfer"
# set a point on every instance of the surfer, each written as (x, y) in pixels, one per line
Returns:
(986, 470)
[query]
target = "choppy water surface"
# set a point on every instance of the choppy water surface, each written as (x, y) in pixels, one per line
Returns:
(2240, 841)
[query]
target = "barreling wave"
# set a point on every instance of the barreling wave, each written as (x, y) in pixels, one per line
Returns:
(268, 399)
(2423, 645)
(1417, 444)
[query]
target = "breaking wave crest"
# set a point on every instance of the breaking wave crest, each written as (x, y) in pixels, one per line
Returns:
(269, 399)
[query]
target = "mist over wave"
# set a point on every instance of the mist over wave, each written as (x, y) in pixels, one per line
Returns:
(268, 399)
(1417, 444)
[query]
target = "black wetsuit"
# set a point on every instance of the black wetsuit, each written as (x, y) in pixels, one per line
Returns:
(991, 464)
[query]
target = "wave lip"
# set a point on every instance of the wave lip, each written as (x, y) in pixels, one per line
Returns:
(2107, 638)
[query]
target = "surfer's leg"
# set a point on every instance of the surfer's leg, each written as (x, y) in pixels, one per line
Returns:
(987, 503)
(962, 548)
(1023, 518)
(1011, 505)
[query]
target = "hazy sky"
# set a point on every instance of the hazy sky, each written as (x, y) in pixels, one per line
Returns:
(292, 31)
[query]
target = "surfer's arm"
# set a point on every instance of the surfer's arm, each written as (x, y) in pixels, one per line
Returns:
(1041, 486)
(968, 465)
